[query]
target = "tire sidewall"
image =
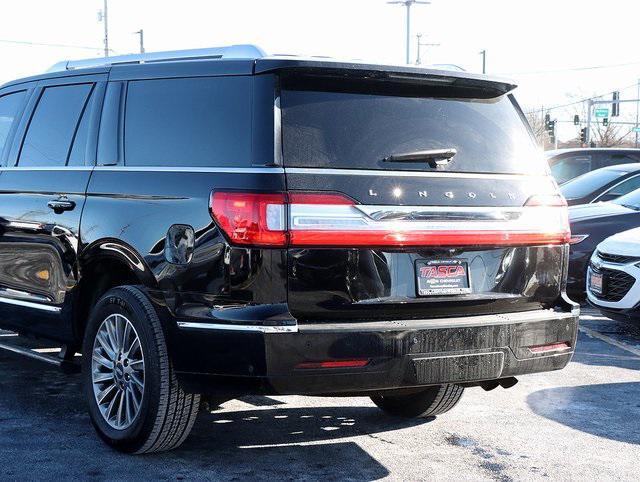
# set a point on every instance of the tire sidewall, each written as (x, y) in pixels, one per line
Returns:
(120, 301)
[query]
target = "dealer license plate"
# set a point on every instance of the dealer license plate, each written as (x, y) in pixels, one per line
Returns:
(442, 277)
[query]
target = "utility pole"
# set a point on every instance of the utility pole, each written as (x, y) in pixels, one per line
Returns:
(588, 136)
(637, 113)
(421, 44)
(103, 17)
(408, 4)
(141, 34)
(484, 61)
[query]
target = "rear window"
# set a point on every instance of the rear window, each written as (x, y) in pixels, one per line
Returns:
(567, 168)
(358, 129)
(590, 182)
(188, 122)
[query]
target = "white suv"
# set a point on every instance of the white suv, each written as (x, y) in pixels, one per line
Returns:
(613, 278)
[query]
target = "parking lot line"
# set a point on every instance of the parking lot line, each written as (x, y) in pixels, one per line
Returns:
(607, 339)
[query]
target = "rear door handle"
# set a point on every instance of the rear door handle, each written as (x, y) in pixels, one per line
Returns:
(61, 205)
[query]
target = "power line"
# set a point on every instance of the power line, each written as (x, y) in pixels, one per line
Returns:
(569, 104)
(574, 69)
(43, 44)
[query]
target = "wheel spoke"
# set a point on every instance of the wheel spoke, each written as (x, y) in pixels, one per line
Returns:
(100, 397)
(100, 377)
(126, 333)
(138, 383)
(111, 407)
(106, 345)
(133, 347)
(120, 413)
(137, 365)
(127, 404)
(98, 358)
(111, 334)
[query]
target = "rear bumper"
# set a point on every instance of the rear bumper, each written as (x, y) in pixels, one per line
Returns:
(399, 354)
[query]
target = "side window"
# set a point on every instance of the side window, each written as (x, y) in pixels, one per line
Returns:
(570, 167)
(626, 187)
(188, 122)
(614, 159)
(53, 125)
(76, 156)
(9, 105)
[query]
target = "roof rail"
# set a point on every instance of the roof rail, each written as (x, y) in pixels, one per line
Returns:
(229, 52)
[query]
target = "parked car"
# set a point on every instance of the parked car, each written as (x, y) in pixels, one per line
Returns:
(590, 225)
(603, 184)
(569, 163)
(613, 284)
(221, 223)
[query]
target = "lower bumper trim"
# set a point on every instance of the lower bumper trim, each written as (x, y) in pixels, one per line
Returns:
(232, 327)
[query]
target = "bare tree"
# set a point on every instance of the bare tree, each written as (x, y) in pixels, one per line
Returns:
(608, 136)
(536, 121)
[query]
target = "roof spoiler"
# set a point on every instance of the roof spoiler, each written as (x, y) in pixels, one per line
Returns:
(483, 85)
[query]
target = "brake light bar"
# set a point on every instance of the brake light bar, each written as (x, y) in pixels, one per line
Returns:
(300, 219)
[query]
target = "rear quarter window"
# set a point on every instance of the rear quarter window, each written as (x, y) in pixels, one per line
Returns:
(9, 105)
(339, 128)
(188, 122)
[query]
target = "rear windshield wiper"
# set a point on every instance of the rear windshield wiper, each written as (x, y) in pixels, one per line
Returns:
(435, 157)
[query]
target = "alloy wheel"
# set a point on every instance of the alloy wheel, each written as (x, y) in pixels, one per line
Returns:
(117, 371)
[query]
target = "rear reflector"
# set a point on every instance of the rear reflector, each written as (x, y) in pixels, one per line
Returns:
(335, 220)
(550, 347)
(334, 364)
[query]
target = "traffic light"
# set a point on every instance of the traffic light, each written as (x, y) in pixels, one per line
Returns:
(552, 131)
(583, 135)
(615, 106)
(605, 121)
(576, 120)
(547, 122)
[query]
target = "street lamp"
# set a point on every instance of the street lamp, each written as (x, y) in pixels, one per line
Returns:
(408, 4)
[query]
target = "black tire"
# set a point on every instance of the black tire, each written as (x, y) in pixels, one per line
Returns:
(427, 403)
(166, 413)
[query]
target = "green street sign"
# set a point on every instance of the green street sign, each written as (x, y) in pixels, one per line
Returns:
(602, 112)
(636, 129)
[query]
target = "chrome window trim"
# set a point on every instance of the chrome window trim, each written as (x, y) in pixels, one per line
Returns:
(223, 170)
(393, 173)
(250, 328)
(47, 168)
(614, 186)
(30, 304)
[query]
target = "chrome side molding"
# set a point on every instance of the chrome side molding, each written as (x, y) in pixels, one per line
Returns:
(30, 304)
(230, 327)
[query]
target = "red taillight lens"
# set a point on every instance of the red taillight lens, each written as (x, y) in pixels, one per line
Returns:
(335, 220)
(551, 347)
(251, 218)
(333, 364)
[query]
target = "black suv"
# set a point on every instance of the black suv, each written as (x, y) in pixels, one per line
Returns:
(211, 224)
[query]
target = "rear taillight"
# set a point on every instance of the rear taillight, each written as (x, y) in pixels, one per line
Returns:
(335, 220)
(251, 218)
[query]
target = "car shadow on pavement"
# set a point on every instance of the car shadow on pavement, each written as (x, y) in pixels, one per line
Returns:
(591, 351)
(44, 427)
(608, 410)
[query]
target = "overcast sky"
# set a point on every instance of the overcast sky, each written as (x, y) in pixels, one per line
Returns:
(534, 42)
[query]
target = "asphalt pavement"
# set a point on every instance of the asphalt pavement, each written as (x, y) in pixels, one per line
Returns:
(581, 423)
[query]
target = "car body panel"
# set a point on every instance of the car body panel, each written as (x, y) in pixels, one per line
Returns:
(598, 221)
